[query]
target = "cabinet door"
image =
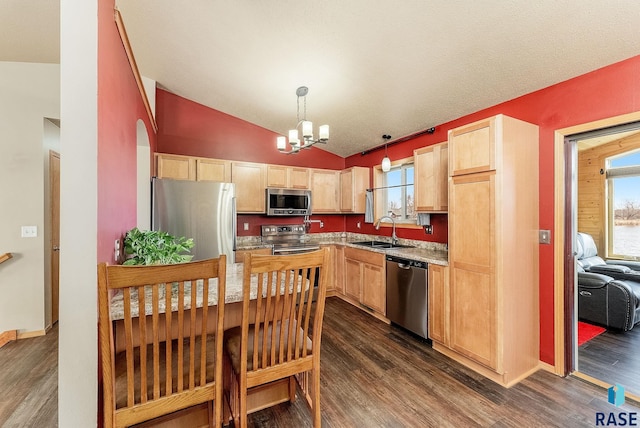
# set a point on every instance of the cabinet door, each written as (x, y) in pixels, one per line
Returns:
(325, 191)
(431, 174)
(473, 291)
(353, 185)
(299, 178)
(374, 291)
(438, 303)
(213, 170)
(338, 270)
(472, 148)
(346, 191)
(277, 176)
(250, 180)
(352, 279)
(176, 167)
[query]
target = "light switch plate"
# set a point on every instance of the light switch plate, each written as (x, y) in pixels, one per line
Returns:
(29, 231)
(545, 236)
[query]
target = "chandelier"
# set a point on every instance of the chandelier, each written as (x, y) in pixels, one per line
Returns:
(303, 127)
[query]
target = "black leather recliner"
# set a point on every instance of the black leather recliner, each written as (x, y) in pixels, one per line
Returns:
(602, 298)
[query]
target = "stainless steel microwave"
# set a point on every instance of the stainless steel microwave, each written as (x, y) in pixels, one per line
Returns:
(288, 202)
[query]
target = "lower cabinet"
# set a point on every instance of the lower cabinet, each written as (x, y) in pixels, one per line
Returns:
(365, 281)
(439, 304)
(335, 270)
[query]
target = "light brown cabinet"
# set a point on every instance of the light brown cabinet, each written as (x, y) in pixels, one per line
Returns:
(325, 191)
(191, 168)
(213, 170)
(493, 248)
(354, 182)
(175, 166)
(338, 269)
(365, 281)
(431, 169)
(288, 177)
(438, 303)
(250, 180)
(335, 286)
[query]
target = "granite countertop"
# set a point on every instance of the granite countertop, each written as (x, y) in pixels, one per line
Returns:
(233, 293)
(424, 251)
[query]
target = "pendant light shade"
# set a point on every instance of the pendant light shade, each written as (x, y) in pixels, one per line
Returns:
(386, 162)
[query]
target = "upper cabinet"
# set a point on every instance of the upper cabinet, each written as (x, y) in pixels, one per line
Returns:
(250, 180)
(288, 177)
(472, 148)
(333, 191)
(191, 168)
(213, 170)
(325, 191)
(354, 182)
(176, 167)
(431, 174)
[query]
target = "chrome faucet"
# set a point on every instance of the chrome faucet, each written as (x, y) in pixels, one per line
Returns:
(394, 238)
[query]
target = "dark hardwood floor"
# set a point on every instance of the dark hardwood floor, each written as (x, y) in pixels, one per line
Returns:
(29, 382)
(373, 375)
(613, 357)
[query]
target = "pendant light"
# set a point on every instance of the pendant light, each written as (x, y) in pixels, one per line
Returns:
(386, 162)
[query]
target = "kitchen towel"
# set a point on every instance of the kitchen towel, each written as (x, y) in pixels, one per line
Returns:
(424, 219)
(368, 206)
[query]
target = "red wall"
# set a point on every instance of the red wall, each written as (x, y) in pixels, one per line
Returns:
(188, 128)
(119, 107)
(607, 92)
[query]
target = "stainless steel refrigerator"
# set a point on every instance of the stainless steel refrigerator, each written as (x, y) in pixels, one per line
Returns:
(202, 210)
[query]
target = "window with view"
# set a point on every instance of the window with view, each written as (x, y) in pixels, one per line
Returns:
(398, 195)
(623, 201)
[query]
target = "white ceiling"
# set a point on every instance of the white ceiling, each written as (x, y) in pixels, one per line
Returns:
(373, 67)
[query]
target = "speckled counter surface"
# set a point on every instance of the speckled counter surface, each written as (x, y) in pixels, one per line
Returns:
(424, 251)
(233, 294)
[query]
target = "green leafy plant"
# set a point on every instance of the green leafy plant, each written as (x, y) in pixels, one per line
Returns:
(151, 247)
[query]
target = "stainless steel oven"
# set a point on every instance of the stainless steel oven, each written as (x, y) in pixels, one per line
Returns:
(289, 239)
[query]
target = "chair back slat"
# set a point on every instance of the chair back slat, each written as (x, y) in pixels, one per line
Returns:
(170, 348)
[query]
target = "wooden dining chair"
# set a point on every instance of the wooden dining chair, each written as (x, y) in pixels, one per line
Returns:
(170, 361)
(279, 337)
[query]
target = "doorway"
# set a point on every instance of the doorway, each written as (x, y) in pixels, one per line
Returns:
(566, 224)
(54, 208)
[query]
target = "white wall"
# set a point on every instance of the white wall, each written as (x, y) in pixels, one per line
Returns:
(78, 344)
(28, 94)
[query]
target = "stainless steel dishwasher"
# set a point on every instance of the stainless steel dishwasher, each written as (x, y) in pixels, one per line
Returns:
(407, 294)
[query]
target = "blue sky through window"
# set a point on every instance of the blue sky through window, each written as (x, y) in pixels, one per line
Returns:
(626, 189)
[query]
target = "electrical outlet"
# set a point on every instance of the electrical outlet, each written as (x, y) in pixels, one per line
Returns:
(545, 236)
(428, 229)
(358, 225)
(246, 226)
(116, 250)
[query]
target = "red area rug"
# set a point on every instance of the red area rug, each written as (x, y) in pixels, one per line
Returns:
(586, 332)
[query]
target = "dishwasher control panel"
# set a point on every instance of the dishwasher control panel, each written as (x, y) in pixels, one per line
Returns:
(407, 262)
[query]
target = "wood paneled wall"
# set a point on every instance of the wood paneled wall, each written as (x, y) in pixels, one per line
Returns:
(592, 207)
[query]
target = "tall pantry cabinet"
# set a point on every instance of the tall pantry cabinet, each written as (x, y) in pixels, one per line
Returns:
(493, 248)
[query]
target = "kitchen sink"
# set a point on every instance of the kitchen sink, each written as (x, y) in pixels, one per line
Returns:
(380, 244)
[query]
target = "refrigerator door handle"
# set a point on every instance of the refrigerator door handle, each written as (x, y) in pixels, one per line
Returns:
(235, 223)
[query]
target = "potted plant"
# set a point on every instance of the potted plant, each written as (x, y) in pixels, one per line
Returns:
(151, 247)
